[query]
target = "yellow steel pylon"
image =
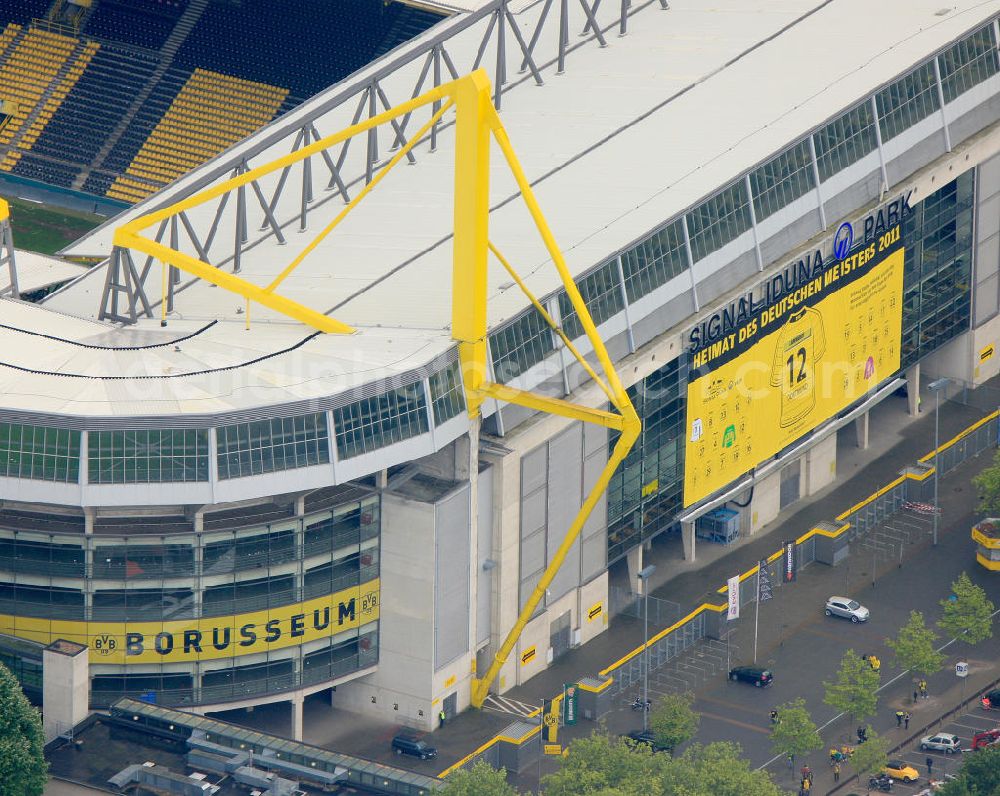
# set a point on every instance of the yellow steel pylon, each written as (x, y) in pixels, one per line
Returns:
(476, 123)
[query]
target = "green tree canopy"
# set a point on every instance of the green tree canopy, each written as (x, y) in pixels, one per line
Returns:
(23, 769)
(795, 733)
(715, 770)
(479, 780)
(673, 721)
(604, 766)
(871, 756)
(978, 776)
(855, 691)
(600, 764)
(969, 617)
(987, 485)
(914, 647)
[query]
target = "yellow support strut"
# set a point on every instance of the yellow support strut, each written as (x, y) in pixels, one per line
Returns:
(476, 121)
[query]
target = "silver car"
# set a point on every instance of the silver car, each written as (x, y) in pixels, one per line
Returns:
(846, 608)
(942, 742)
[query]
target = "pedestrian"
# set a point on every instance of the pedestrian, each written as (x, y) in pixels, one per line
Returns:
(861, 734)
(806, 786)
(836, 772)
(914, 696)
(774, 717)
(806, 772)
(899, 718)
(442, 716)
(930, 765)
(923, 689)
(906, 720)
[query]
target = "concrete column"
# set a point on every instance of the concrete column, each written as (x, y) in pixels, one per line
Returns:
(634, 560)
(297, 705)
(688, 540)
(300, 505)
(913, 390)
(861, 428)
(65, 687)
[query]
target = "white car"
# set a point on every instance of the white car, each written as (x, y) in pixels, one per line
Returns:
(846, 608)
(942, 742)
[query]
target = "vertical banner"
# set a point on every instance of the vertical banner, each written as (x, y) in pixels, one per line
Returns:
(734, 598)
(764, 589)
(789, 561)
(569, 703)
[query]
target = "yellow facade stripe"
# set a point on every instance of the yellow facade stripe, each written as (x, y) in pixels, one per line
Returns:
(927, 457)
(993, 566)
(986, 541)
(208, 638)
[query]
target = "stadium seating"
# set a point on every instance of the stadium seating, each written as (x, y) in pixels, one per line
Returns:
(39, 70)
(240, 65)
(23, 11)
(211, 112)
(90, 112)
(143, 23)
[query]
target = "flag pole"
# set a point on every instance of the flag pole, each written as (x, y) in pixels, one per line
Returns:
(756, 614)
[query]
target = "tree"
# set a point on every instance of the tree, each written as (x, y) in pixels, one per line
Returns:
(600, 765)
(978, 776)
(479, 780)
(23, 769)
(856, 690)
(987, 484)
(870, 757)
(969, 616)
(673, 721)
(603, 766)
(914, 647)
(714, 770)
(795, 733)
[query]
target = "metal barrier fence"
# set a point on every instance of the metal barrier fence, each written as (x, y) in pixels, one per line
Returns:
(624, 602)
(661, 650)
(858, 522)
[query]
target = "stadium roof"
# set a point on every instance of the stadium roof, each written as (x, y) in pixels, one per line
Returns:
(628, 137)
(36, 271)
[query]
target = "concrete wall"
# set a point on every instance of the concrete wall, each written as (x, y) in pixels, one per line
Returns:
(402, 688)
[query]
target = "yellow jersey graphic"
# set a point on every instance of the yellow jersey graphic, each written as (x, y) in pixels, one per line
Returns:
(792, 364)
(801, 344)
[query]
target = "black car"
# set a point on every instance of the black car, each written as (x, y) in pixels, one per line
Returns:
(757, 675)
(405, 745)
(646, 738)
(991, 700)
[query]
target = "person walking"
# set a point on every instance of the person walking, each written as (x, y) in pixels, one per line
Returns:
(899, 718)
(923, 689)
(442, 716)
(930, 766)
(906, 720)
(836, 772)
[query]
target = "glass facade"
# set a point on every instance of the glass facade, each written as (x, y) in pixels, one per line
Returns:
(724, 216)
(645, 492)
(447, 393)
(150, 578)
(937, 279)
(373, 423)
(47, 454)
(266, 446)
(143, 457)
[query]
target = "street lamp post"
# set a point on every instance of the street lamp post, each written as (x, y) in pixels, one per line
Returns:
(937, 387)
(644, 575)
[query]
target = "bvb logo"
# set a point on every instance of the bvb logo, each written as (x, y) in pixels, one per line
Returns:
(105, 645)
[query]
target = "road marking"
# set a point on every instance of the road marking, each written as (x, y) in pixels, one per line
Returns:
(743, 724)
(502, 704)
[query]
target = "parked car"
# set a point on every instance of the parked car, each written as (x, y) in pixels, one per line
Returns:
(405, 745)
(942, 742)
(757, 675)
(986, 738)
(846, 608)
(991, 701)
(901, 770)
(646, 738)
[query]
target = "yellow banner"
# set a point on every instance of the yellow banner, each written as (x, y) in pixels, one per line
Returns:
(187, 640)
(792, 364)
